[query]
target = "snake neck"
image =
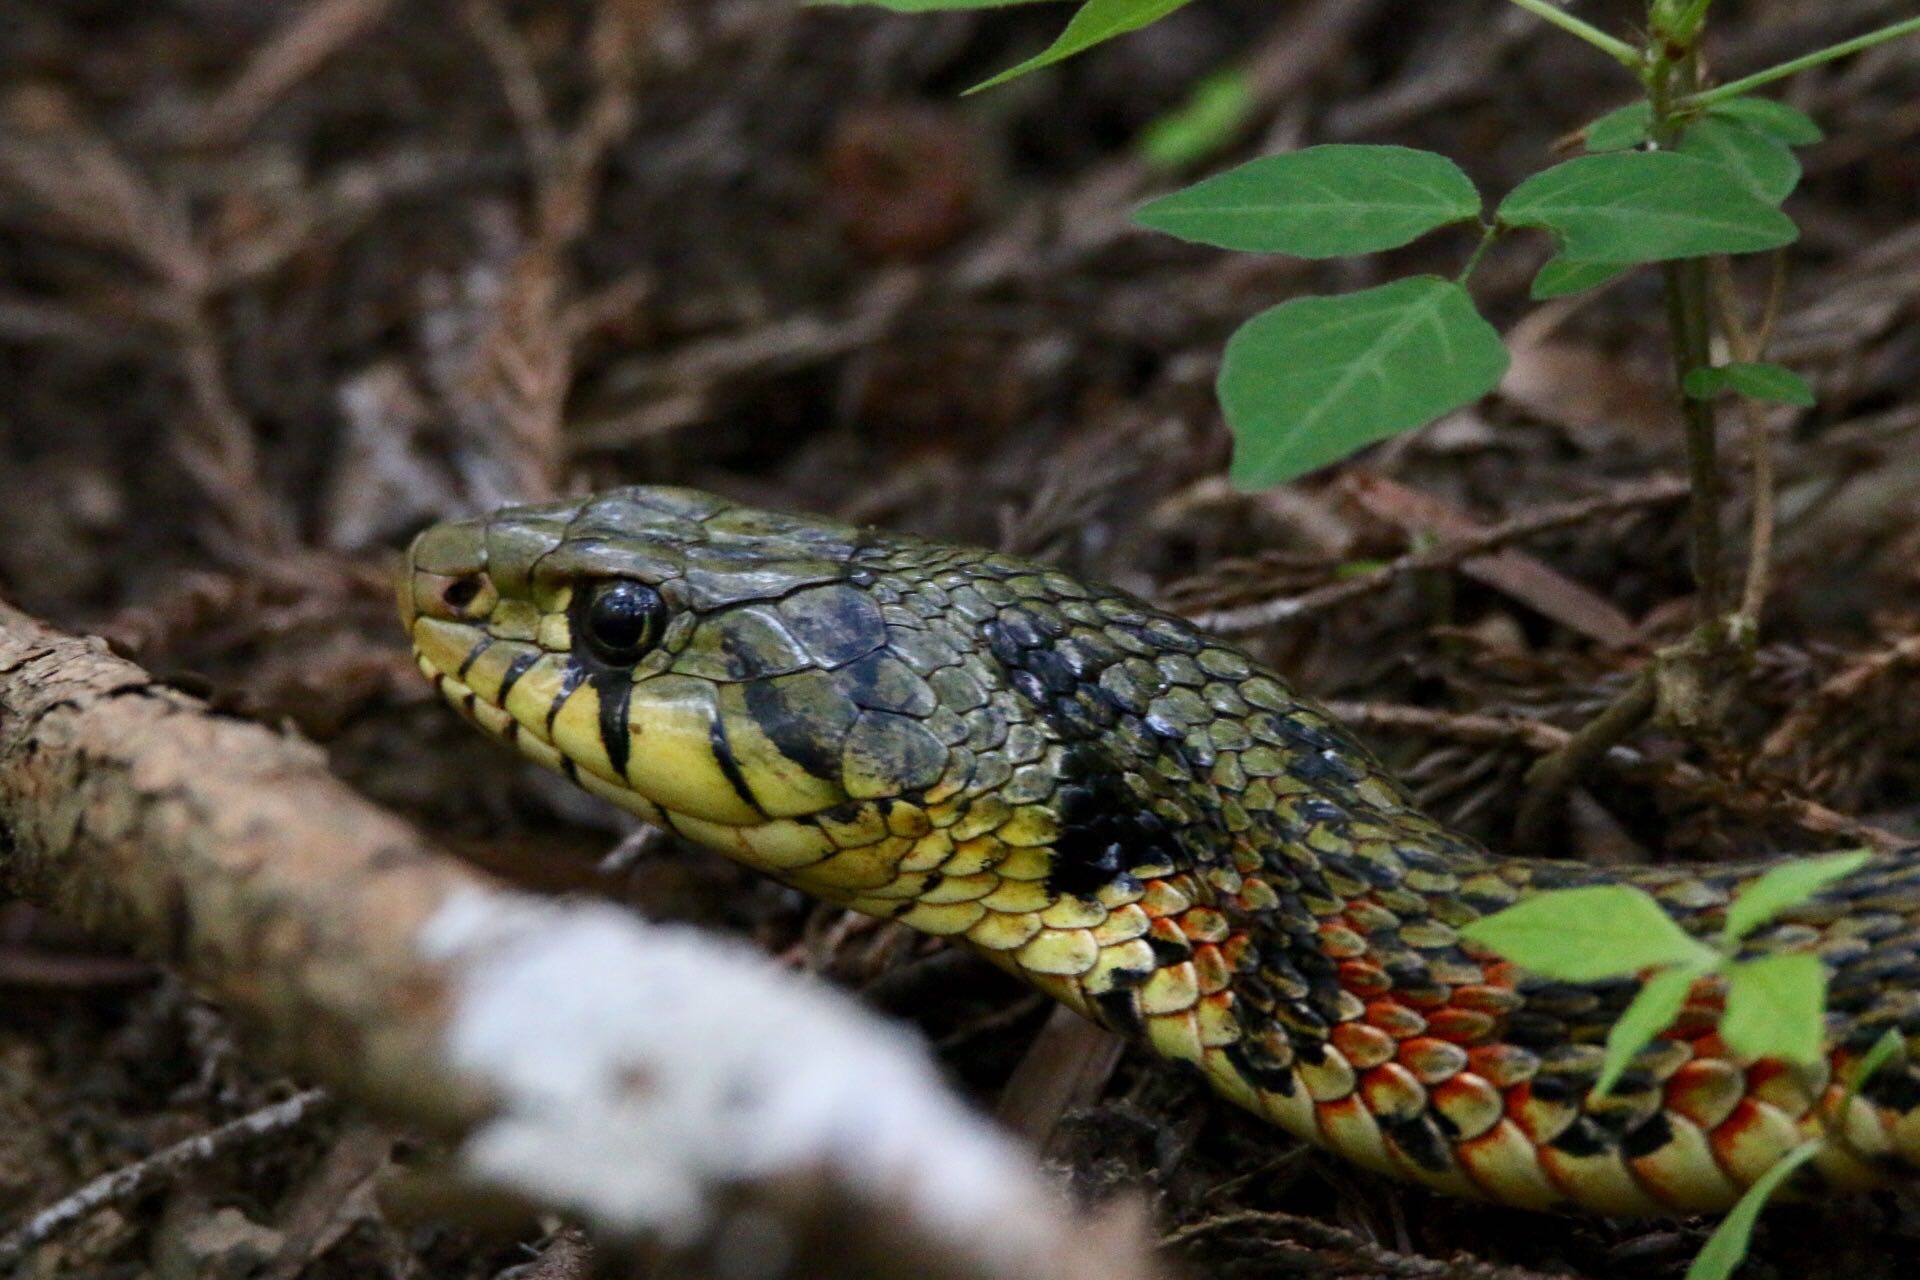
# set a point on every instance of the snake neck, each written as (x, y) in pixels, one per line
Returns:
(1183, 779)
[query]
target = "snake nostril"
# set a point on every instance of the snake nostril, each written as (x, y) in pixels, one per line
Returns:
(461, 591)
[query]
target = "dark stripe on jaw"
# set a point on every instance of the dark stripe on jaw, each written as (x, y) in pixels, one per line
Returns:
(571, 679)
(729, 767)
(480, 646)
(616, 691)
(515, 669)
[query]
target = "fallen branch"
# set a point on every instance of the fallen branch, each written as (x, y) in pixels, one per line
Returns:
(646, 1078)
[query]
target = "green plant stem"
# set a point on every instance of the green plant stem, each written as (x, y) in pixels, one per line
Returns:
(1686, 291)
(1619, 50)
(1691, 338)
(1489, 232)
(1746, 84)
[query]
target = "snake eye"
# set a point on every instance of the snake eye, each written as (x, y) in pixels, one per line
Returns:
(623, 619)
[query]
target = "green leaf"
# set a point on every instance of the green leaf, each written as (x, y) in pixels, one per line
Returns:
(1322, 202)
(1310, 381)
(1756, 381)
(1557, 277)
(1787, 885)
(1889, 1043)
(1726, 1248)
(1652, 1011)
(1580, 935)
(1776, 1007)
(1760, 162)
(1219, 105)
(1645, 206)
(1094, 22)
(1776, 119)
(1620, 128)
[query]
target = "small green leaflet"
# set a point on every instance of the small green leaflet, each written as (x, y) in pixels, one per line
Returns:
(1772, 117)
(1776, 1007)
(1095, 21)
(1557, 277)
(1310, 381)
(1323, 202)
(1204, 124)
(1652, 1011)
(1761, 162)
(1755, 381)
(1787, 885)
(1641, 206)
(1584, 934)
(1889, 1043)
(1620, 128)
(1726, 1248)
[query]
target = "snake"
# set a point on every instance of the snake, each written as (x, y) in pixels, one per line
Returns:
(1153, 829)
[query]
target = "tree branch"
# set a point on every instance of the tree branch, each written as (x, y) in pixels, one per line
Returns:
(646, 1078)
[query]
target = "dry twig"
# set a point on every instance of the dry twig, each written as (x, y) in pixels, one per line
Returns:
(506, 1022)
(1677, 776)
(125, 1183)
(1335, 1251)
(1265, 613)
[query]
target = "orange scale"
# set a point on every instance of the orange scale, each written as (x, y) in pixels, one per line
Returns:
(1682, 1173)
(1484, 998)
(1364, 978)
(1434, 997)
(1392, 1093)
(1706, 1090)
(1204, 924)
(1783, 1085)
(1752, 1139)
(1235, 951)
(1168, 932)
(1210, 969)
(1340, 942)
(1366, 915)
(1540, 1120)
(1348, 1127)
(1462, 1026)
(1503, 1065)
(1505, 1165)
(1432, 1060)
(1470, 1104)
(1396, 1019)
(1710, 1045)
(1363, 1046)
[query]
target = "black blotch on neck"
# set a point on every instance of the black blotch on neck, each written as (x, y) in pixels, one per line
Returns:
(1105, 830)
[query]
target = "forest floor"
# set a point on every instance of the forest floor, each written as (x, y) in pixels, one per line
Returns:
(279, 285)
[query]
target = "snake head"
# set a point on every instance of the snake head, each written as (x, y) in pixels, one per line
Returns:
(791, 691)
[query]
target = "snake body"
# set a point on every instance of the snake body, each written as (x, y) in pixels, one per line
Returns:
(1148, 826)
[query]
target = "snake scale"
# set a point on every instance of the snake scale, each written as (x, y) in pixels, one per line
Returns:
(1149, 827)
